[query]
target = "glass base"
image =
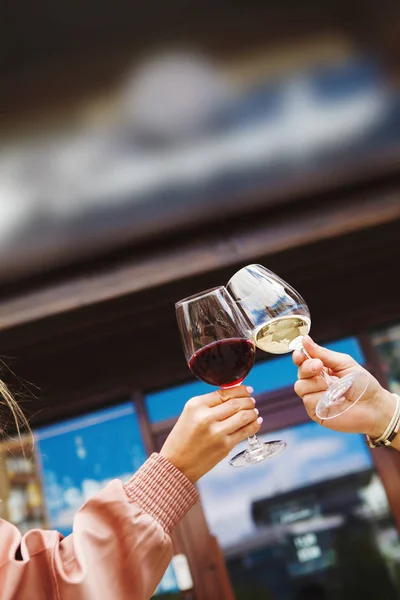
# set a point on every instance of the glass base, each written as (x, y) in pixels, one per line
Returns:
(342, 395)
(257, 453)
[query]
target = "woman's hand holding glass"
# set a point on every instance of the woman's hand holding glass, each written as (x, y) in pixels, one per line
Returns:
(280, 319)
(219, 350)
(209, 427)
(369, 416)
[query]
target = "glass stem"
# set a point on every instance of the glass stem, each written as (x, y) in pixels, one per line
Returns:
(253, 440)
(327, 378)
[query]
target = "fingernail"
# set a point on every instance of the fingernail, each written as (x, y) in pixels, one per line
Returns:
(256, 411)
(260, 420)
(253, 399)
(250, 389)
(314, 365)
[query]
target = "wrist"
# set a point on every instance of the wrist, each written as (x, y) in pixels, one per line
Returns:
(179, 463)
(385, 406)
(159, 489)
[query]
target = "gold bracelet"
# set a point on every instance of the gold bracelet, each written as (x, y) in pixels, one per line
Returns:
(391, 430)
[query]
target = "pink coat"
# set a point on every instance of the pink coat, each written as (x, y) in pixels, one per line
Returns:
(119, 548)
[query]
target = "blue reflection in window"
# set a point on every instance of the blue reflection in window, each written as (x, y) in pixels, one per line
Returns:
(314, 454)
(264, 377)
(168, 583)
(79, 456)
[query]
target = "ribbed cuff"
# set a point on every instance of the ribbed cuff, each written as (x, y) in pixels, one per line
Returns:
(161, 490)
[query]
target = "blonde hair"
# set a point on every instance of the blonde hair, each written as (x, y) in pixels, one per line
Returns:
(8, 400)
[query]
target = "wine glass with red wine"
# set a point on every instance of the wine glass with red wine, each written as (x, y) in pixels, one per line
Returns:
(220, 351)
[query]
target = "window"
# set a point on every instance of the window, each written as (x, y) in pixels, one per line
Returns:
(317, 515)
(78, 457)
(387, 343)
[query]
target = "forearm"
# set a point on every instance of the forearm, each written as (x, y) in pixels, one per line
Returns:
(120, 546)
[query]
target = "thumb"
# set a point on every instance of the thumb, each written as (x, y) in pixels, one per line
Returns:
(333, 360)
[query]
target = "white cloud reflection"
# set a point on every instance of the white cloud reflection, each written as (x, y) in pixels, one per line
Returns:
(313, 454)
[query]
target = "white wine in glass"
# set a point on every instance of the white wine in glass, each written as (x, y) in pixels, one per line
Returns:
(279, 335)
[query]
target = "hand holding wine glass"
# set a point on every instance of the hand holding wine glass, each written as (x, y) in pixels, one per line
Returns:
(209, 427)
(219, 351)
(370, 415)
(279, 319)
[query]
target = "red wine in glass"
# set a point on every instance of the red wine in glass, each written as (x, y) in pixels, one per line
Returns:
(220, 351)
(224, 363)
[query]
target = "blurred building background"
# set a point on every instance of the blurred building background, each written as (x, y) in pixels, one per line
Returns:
(146, 153)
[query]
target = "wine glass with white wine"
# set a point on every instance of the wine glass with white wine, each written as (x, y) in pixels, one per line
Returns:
(279, 318)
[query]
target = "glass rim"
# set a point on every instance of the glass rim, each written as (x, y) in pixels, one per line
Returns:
(275, 277)
(245, 268)
(200, 295)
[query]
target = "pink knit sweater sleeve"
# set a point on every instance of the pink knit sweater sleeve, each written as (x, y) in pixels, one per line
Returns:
(119, 548)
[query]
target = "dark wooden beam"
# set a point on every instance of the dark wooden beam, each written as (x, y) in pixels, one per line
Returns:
(144, 423)
(307, 223)
(94, 341)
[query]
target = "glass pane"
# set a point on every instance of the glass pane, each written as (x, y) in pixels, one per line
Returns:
(168, 588)
(312, 523)
(266, 376)
(387, 343)
(100, 447)
(78, 457)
